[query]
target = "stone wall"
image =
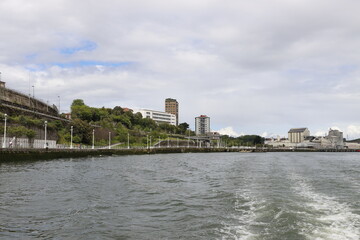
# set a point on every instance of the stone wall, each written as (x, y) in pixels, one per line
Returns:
(9, 97)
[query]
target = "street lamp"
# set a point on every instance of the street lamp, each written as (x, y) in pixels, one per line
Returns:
(45, 144)
(93, 139)
(159, 143)
(71, 137)
(59, 105)
(147, 141)
(189, 140)
(109, 140)
(4, 140)
(150, 143)
(128, 141)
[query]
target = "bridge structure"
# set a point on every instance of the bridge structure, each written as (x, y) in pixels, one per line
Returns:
(13, 100)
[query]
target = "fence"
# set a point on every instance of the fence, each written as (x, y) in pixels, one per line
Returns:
(25, 143)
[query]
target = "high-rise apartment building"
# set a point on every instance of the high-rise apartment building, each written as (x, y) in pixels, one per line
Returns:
(172, 106)
(202, 125)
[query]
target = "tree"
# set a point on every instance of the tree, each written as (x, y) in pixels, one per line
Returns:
(78, 102)
(30, 134)
(83, 130)
(17, 132)
(183, 127)
(117, 111)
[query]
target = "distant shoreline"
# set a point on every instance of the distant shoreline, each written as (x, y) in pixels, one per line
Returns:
(8, 155)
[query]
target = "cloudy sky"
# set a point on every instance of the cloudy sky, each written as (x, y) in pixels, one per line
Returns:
(253, 66)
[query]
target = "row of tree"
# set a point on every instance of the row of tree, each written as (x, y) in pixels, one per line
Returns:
(122, 126)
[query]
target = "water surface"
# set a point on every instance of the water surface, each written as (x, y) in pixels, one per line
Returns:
(183, 196)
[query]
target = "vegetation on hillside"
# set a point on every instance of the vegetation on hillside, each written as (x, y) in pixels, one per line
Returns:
(246, 140)
(120, 124)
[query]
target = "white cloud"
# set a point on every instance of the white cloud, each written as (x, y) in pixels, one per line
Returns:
(353, 131)
(229, 131)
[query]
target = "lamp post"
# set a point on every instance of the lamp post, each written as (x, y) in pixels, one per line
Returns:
(93, 139)
(189, 140)
(109, 140)
(147, 141)
(71, 137)
(128, 141)
(4, 140)
(159, 143)
(150, 143)
(45, 144)
(59, 105)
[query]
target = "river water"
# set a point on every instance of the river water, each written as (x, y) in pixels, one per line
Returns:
(183, 196)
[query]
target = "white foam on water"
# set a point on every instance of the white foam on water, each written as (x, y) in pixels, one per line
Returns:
(326, 218)
(247, 207)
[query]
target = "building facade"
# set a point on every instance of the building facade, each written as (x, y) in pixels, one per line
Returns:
(172, 106)
(298, 135)
(157, 116)
(335, 139)
(202, 125)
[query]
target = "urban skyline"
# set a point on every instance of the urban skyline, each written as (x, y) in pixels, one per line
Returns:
(254, 67)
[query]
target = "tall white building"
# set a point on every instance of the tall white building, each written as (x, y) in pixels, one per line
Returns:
(158, 116)
(202, 125)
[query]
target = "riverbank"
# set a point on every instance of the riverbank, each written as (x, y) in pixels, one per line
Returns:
(7, 155)
(47, 154)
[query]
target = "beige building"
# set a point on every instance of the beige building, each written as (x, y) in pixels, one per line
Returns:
(172, 106)
(298, 135)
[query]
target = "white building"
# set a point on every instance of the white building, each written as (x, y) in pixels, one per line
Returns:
(158, 116)
(333, 140)
(298, 135)
(202, 125)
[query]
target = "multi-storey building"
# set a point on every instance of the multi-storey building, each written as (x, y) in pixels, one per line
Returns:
(298, 135)
(172, 106)
(202, 125)
(157, 116)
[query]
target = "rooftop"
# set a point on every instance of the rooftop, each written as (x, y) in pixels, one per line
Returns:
(297, 130)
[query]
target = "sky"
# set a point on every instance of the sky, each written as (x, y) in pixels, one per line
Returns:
(253, 66)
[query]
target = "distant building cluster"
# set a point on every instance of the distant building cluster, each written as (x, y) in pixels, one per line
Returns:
(301, 138)
(171, 116)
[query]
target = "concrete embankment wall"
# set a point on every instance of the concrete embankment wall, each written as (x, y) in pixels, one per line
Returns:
(8, 155)
(12, 98)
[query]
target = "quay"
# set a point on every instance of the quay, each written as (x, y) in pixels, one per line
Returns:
(8, 155)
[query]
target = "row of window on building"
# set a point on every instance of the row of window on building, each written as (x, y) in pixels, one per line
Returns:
(171, 116)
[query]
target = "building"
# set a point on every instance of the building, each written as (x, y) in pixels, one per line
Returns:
(298, 135)
(172, 106)
(157, 116)
(202, 125)
(67, 116)
(334, 139)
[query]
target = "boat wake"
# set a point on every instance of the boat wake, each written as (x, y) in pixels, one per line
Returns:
(325, 217)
